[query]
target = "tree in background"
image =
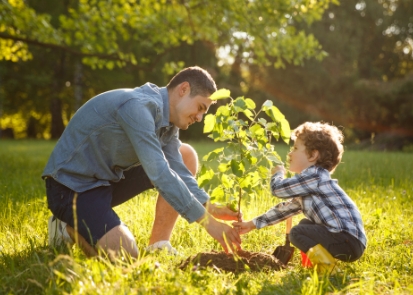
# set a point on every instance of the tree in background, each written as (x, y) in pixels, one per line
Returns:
(79, 41)
(364, 84)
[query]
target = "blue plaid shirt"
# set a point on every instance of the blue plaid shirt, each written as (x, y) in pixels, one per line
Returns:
(319, 198)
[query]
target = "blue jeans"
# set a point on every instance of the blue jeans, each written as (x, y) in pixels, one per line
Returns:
(342, 245)
(95, 216)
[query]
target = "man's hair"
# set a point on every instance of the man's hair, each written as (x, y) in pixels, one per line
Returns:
(326, 139)
(199, 80)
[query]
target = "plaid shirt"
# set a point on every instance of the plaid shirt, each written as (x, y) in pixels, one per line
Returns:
(319, 198)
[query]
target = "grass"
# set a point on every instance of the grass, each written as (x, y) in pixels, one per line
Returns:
(381, 183)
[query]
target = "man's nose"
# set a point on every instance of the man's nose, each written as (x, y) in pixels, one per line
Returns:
(199, 117)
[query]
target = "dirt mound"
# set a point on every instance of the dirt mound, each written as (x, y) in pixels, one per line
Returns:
(241, 261)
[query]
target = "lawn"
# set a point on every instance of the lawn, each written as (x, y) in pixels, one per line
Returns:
(381, 184)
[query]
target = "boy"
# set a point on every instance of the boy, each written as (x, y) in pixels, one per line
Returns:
(333, 227)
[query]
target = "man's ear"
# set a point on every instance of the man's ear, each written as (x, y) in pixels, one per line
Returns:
(184, 88)
(314, 155)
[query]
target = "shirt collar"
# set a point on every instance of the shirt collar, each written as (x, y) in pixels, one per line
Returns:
(165, 99)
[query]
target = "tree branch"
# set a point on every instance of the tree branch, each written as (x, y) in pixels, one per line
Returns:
(72, 51)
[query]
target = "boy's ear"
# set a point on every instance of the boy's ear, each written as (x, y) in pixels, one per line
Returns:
(314, 156)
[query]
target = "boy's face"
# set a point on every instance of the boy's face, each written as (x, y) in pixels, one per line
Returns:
(299, 158)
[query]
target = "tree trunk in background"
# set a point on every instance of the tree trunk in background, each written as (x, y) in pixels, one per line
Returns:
(57, 126)
(78, 87)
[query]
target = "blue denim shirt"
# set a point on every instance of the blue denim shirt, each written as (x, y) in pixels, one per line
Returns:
(117, 130)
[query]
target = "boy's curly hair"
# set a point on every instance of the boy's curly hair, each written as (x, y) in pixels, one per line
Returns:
(326, 139)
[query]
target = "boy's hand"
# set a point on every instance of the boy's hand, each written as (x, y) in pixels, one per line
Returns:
(278, 168)
(244, 227)
(223, 212)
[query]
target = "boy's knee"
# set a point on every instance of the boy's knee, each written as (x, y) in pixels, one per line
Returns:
(190, 157)
(294, 236)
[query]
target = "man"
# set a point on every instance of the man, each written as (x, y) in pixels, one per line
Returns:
(121, 143)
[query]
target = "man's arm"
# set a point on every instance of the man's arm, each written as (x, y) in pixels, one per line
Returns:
(137, 118)
(174, 158)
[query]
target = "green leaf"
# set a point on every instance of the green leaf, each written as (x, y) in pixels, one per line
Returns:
(285, 131)
(262, 121)
(249, 114)
(218, 192)
(240, 105)
(267, 104)
(233, 205)
(223, 167)
(237, 168)
(205, 177)
(209, 123)
(264, 172)
(250, 103)
(275, 114)
(256, 129)
(212, 155)
(220, 94)
(227, 181)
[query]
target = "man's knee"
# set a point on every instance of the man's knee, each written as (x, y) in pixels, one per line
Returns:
(117, 239)
(190, 157)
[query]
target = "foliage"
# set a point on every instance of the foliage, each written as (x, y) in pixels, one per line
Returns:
(151, 40)
(112, 33)
(363, 83)
(380, 183)
(244, 163)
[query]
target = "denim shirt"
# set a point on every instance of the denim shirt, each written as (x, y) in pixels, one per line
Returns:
(120, 129)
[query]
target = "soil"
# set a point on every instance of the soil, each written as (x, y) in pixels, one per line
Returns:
(242, 261)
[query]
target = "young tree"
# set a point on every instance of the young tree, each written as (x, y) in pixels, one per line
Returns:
(244, 164)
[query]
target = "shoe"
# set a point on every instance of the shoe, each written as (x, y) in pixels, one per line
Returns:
(162, 245)
(58, 235)
(320, 257)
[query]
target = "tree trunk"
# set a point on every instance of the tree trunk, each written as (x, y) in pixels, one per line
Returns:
(57, 126)
(78, 87)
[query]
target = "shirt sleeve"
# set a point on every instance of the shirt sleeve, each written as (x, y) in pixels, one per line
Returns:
(278, 213)
(300, 184)
(137, 118)
(176, 163)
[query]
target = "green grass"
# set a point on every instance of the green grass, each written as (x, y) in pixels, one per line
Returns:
(380, 183)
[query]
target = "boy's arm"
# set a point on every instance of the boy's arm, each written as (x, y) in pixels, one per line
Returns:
(278, 213)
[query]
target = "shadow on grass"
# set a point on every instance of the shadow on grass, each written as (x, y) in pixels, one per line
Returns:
(307, 282)
(34, 270)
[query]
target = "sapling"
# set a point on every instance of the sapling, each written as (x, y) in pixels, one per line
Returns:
(244, 164)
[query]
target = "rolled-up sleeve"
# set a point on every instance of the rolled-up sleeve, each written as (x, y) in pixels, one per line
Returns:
(174, 157)
(137, 118)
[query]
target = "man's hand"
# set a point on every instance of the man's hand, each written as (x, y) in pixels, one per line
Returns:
(223, 212)
(244, 227)
(278, 168)
(227, 236)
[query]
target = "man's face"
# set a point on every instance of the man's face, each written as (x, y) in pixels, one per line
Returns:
(189, 110)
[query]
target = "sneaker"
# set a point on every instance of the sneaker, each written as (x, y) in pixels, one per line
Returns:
(58, 235)
(162, 245)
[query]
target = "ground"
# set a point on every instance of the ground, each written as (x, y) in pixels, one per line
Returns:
(241, 261)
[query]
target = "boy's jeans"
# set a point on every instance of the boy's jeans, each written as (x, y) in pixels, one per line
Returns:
(342, 246)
